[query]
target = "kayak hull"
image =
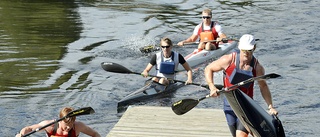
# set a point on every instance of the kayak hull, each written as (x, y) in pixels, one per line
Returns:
(253, 116)
(199, 56)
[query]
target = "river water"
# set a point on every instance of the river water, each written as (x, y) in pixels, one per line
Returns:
(50, 55)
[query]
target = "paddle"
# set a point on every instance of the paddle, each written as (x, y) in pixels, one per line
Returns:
(117, 68)
(78, 112)
(183, 106)
(151, 48)
(223, 40)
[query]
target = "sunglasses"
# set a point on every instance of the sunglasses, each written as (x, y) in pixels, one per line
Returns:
(165, 46)
(206, 17)
(247, 50)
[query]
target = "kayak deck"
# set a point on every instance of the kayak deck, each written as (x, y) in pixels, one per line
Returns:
(149, 91)
(198, 57)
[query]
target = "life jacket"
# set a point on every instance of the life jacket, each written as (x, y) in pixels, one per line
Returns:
(207, 35)
(234, 75)
(165, 67)
(53, 133)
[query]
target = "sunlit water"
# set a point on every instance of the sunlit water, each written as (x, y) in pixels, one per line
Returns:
(51, 58)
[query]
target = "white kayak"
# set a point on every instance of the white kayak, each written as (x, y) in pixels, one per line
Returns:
(199, 56)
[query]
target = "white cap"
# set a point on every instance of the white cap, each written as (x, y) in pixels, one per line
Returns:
(247, 42)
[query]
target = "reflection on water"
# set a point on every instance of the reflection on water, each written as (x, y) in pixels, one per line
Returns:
(34, 37)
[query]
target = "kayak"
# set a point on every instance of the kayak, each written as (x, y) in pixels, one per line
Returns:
(199, 56)
(253, 116)
(150, 90)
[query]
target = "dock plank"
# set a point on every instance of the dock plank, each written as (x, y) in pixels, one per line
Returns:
(153, 121)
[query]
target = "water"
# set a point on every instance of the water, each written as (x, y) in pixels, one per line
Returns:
(51, 53)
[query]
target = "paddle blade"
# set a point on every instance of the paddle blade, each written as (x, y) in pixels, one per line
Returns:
(149, 48)
(183, 106)
(81, 111)
(114, 67)
(272, 75)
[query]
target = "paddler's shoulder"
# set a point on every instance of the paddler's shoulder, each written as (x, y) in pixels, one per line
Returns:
(227, 57)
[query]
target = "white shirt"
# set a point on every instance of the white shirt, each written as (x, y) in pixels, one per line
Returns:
(216, 26)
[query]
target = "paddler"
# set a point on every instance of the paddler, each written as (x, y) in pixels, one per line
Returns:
(68, 127)
(237, 67)
(166, 62)
(208, 31)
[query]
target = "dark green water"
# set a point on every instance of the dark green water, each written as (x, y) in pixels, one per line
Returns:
(34, 38)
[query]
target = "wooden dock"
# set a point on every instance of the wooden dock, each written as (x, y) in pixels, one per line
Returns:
(152, 121)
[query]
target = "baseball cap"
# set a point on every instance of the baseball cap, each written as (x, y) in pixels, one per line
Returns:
(247, 42)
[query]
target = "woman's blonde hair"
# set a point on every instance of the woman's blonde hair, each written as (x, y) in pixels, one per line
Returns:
(64, 111)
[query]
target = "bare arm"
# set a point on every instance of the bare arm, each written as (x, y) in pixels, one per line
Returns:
(264, 89)
(83, 128)
(192, 38)
(189, 71)
(218, 65)
(145, 72)
(222, 35)
(28, 129)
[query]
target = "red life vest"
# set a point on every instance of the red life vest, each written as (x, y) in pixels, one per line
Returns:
(212, 29)
(230, 70)
(53, 133)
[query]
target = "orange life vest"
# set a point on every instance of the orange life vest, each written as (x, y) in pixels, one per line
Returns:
(207, 35)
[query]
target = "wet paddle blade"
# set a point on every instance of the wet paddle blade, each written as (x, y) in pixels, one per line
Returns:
(272, 75)
(183, 106)
(148, 49)
(114, 67)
